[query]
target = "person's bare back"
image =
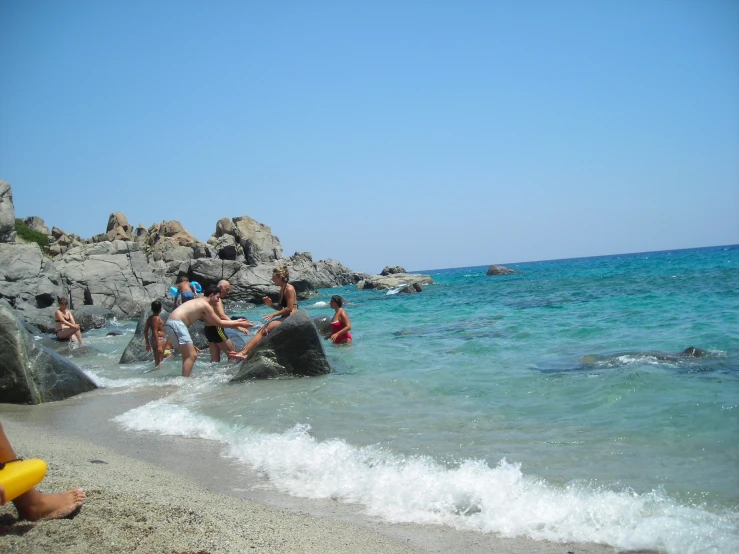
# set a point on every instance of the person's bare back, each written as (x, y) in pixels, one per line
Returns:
(188, 313)
(198, 308)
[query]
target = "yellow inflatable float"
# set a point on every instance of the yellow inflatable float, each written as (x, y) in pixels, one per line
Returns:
(19, 476)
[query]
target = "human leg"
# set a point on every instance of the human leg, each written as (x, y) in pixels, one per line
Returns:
(189, 355)
(215, 352)
(256, 339)
(68, 333)
(158, 352)
(227, 346)
(34, 505)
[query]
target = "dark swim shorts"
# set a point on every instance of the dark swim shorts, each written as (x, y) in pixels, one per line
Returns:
(215, 334)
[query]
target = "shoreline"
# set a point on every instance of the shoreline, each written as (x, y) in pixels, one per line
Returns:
(153, 493)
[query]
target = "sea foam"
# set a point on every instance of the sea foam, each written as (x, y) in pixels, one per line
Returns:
(469, 495)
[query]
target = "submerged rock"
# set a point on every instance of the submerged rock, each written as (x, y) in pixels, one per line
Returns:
(31, 373)
(293, 349)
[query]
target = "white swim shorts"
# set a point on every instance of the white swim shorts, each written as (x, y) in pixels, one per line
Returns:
(177, 332)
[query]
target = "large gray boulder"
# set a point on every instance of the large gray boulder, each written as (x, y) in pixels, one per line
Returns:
(114, 275)
(257, 241)
(409, 282)
(293, 349)
(31, 373)
(246, 240)
(118, 227)
(30, 282)
(93, 317)
(323, 325)
(7, 213)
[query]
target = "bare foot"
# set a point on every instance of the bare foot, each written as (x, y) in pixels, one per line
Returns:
(34, 505)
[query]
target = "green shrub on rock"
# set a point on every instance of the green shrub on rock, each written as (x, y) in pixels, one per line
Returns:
(29, 235)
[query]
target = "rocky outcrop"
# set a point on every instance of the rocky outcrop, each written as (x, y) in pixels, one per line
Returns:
(170, 243)
(252, 283)
(501, 270)
(114, 275)
(31, 373)
(244, 238)
(124, 269)
(37, 224)
(410, 282)
(60, 242)
(118, 227)
(30, 282)
(392, 270)
(7, 213)
(293, 349)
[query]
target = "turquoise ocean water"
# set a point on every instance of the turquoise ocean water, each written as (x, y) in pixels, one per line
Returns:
(555, 404)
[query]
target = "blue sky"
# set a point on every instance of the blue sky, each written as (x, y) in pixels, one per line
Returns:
(413, 133)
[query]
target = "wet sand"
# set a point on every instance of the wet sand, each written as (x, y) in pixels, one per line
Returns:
(148, 493)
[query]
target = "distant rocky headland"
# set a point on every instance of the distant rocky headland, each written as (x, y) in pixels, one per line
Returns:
(121, 271)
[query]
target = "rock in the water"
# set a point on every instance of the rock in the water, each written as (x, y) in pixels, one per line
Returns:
(31, 373)
(501, 270)
(391, 270)
(323, 325)
(293, 349)
(92, 317)
(379, 282)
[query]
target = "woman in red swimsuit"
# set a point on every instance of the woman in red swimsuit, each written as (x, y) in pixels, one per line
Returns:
(340, 323)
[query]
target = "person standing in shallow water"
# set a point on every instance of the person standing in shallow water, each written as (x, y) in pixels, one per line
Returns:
(287, 305)
(340, 322)
(155, 327)
(217, 340)
(188, 313)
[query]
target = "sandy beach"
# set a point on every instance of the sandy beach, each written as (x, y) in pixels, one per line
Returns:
(147, 493)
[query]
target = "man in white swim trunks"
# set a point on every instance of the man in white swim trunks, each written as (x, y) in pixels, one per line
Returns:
(188, 313)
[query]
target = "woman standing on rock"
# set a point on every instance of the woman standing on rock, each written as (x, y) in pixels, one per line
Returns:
(66, 327)
(287, 305)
